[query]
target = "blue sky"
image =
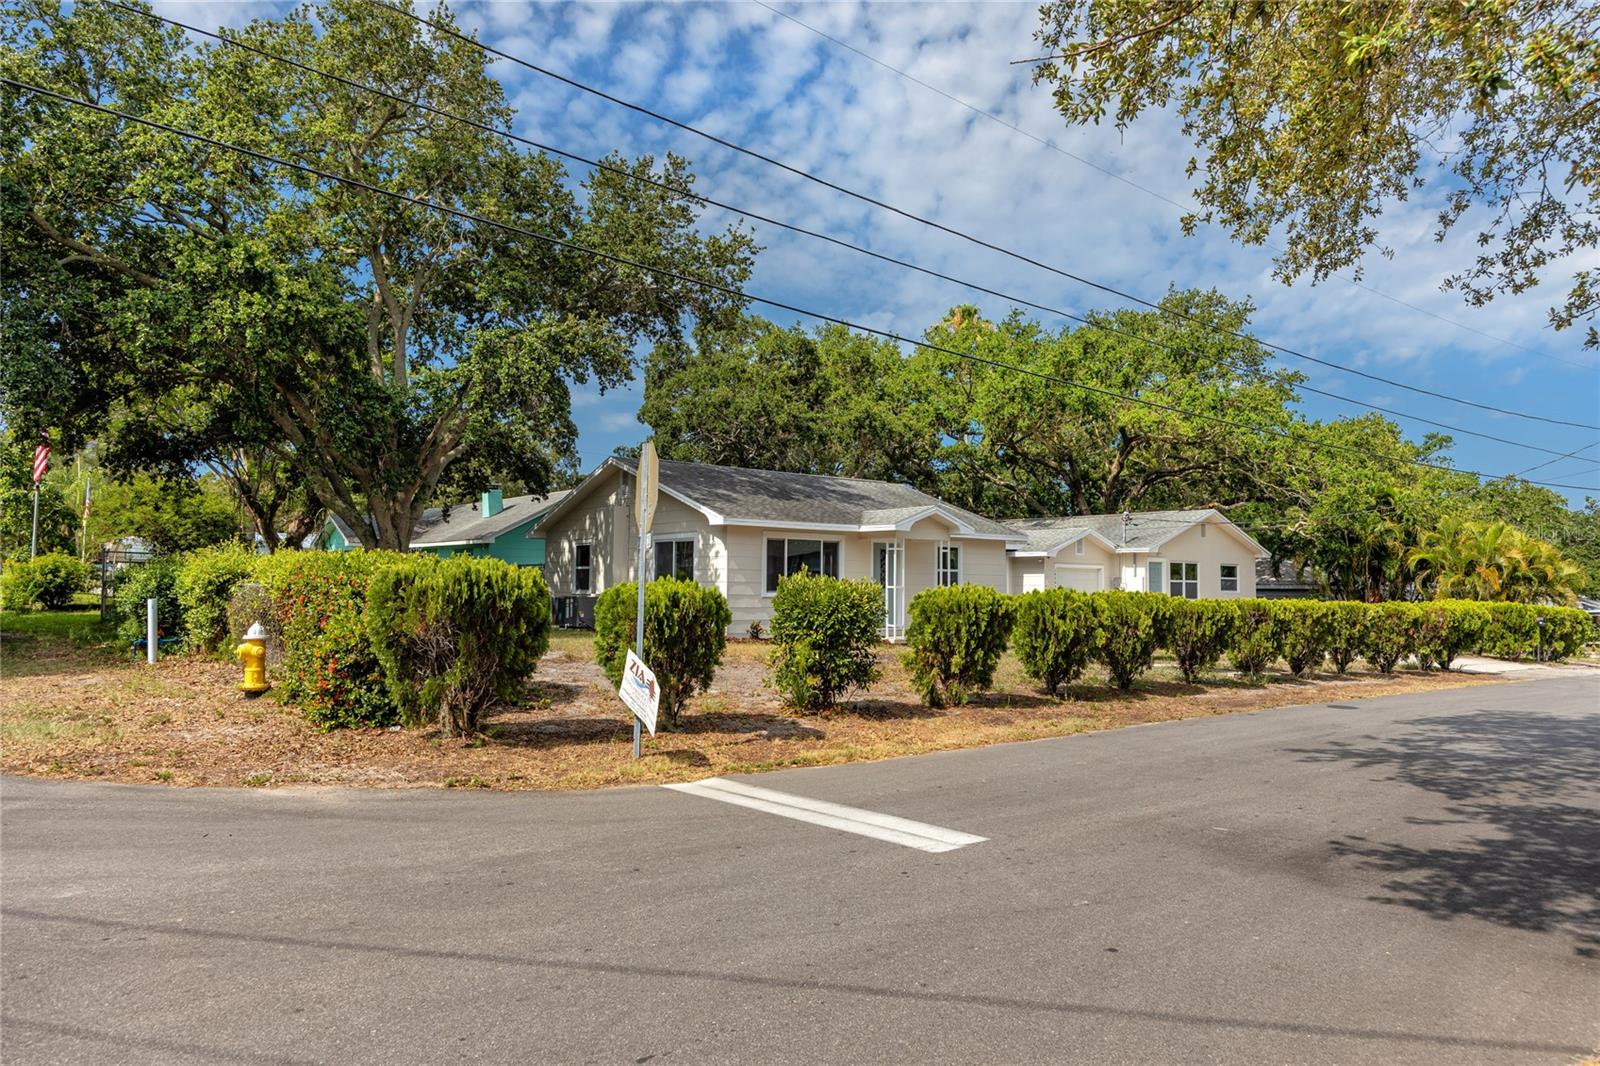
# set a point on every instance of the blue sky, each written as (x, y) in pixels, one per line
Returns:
(747, 74)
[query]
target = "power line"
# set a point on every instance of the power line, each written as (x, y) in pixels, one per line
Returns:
(1108, 172)
(690, 195)
(925, 221)
(728, 290)
(1557, 459)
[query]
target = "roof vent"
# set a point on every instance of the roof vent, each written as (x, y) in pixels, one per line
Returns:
(491, 504)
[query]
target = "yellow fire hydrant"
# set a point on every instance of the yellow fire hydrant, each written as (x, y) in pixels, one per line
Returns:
(253, 654)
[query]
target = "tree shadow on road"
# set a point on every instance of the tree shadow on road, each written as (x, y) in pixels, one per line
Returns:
(1526, 787)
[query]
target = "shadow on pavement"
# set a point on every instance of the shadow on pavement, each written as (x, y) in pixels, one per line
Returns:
(805, 985)
(1527, 785)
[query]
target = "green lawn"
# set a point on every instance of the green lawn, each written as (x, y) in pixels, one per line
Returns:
(80, 625)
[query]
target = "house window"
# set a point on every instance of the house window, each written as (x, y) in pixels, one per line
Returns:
(675, 558)
(1158, 572)
(1185, 580)
(583, 568)
(792, 556)
(947, 565)
(1230, 577)
(1077, 549)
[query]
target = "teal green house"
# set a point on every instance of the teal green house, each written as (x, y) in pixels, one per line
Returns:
(494, 527)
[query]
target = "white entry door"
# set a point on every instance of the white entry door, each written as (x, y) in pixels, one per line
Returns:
(1081, 578)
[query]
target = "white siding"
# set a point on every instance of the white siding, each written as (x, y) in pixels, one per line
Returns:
(1210, 551)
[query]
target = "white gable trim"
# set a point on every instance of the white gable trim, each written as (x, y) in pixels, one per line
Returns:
(1222, 522)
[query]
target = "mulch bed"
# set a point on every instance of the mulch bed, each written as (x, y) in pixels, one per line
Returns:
(68, 711)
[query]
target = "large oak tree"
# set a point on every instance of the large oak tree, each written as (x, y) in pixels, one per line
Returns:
(366, 343)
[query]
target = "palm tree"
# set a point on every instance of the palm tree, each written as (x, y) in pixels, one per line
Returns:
(1492, 561)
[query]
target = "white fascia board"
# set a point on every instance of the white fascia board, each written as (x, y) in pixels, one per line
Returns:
(447, 543)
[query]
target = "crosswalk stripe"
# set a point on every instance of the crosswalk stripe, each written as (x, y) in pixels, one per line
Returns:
(887, 827)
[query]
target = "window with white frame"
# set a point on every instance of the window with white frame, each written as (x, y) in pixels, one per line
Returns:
(583, 568)
(1158, 576)
(675, 558)
(791, 555)
(947, 565)
(1185, 580)
(1230, 577)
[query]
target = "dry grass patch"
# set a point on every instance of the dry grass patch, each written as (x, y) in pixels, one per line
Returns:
(92, 714)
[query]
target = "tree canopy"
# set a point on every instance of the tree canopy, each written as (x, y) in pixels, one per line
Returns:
(1314, 117)
(1047, 422)
(201, 306)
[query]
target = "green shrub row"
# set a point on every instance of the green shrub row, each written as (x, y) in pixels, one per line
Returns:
(956, 635)
(685, 634)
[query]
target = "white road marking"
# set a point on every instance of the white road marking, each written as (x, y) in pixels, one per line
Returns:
(919, 835)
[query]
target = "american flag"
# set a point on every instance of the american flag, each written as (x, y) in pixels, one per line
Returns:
(41, 461)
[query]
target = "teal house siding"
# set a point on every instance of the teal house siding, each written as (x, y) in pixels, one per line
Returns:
(491, 528)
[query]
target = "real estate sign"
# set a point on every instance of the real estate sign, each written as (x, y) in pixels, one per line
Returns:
(640, 691)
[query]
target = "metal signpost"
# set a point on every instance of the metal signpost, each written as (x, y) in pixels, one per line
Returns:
(646, 489)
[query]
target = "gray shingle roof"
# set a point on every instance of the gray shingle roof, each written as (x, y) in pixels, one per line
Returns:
(466, 524)
(744, 495)
(1143, 531)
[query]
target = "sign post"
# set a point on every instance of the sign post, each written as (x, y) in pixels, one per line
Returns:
(41, 463)
(646, 490)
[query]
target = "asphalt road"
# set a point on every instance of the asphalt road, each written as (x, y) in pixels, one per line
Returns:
(1412, 879)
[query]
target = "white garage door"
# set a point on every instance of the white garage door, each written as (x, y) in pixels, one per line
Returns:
(1082, 578)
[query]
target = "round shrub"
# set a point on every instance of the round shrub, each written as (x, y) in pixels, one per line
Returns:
(306, 592)
(1448, 628)
(138, 582)
(685, 634)
(1389, 634)
(954, 640)
(204, 585)
(1304, 630)
(49, 581)
(1129, 627)
(1198, 632)
(1566, 630)
(1345, 619)
(1053, 636)
(1255, 638)
(455, 636)
(344, 686)
(824, 632)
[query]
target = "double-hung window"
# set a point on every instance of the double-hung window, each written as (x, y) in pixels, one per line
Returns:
(583, 568)
(790, 556)
(675, 558)
(1230, 577)
(1185, 580)
(947, 565)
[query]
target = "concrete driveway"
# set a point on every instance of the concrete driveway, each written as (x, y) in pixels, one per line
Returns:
(1411, 879)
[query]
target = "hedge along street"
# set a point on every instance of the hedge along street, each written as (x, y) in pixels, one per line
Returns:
(73, 710)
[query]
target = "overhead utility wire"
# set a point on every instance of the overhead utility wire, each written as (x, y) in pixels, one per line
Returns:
(729, 290)
(1557, 459)
(1113, 175)
(690, 195)
(923, 220)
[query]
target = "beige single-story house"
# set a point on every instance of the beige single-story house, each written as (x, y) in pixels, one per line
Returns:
(740, 530)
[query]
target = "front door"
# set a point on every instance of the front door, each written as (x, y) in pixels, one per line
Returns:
(887, 567)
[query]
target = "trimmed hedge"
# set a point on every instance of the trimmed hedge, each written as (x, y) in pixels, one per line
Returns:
(1198, 632)
(204, 586)
(1054, 636)
(1129, 627)
(1345, 623)
(1389, 634)
(455, 636)
(308, 592)
(685, 634)
(1512, 631)
(954, 640)
(1255, 637)
(825, 632)
(1304, 631)
(49, 581)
